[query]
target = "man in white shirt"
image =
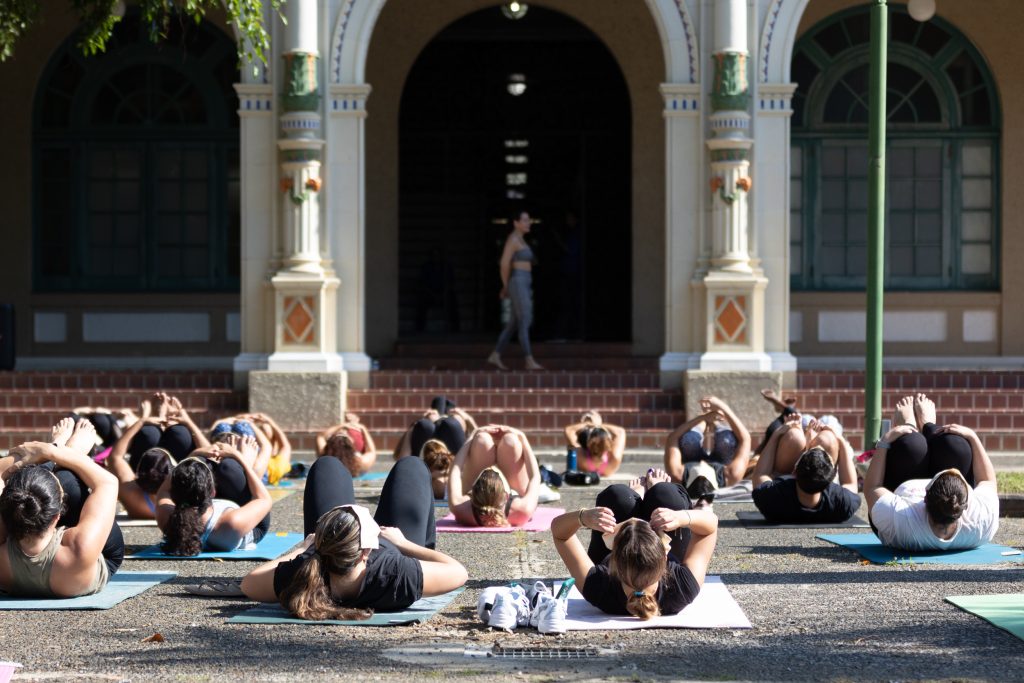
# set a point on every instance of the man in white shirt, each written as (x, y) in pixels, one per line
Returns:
(940, 513)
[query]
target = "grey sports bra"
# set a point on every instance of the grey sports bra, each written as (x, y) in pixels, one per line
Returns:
(524, 255)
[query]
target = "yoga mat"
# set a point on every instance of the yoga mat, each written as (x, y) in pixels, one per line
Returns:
(872, 549)
(122, 585)
(271, 547)
(737, 493)
(371, 476)
(416, 613)
(1005, 611)
(125, 521)
(279, 494)
(541, 522)
(755, 520)
(714, 607)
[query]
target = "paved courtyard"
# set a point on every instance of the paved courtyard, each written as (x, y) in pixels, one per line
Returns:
(818, 613)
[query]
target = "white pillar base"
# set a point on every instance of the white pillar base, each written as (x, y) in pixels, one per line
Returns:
(735, 360)
(783, 361)
(358, 366)
(672, 367)
(297, 361)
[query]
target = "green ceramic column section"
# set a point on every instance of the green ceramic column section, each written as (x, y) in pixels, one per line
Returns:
(730, 90)
(301, 90)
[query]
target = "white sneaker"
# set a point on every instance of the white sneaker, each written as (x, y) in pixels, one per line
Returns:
(518, 595)
(547, 494)
(535, 592)
(503, 612)
(486, 602)
(550, 614)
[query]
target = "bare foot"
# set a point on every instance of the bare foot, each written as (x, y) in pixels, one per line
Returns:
(83, 438)
(249, 448)
(62, 430)
(655, 476)
(637, 484)
(904, 414)
(924, 407)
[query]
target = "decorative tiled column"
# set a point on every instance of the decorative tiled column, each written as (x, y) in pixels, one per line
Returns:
(304, 385)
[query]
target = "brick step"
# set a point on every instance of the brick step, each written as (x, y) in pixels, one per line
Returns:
(451, 381)
(67, 399)
(913, 380)
(1007, 421)
(413, 400)
(539, 419)
(478, 363)
(44, 418)
(151, 380)
(945, 399)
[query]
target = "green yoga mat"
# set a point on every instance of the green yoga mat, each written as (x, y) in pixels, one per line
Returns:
(1004, 611)
(270, 547)
(872, 549)
(416, 613)
(122, 585)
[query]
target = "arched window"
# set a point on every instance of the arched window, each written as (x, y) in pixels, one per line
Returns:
(136, 179)
(942, 159)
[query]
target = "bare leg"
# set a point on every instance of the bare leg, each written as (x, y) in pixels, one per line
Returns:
(481, 456)
(791, 445)
(511, 460)
(779, 405)
(83, 438)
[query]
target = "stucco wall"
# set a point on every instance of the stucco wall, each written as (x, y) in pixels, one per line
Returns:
(403, 29)
(994, 28)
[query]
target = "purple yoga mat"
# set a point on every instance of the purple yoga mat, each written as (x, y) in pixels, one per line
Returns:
(541, 522)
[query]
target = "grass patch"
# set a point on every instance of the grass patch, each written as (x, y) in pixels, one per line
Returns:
(1010, 482)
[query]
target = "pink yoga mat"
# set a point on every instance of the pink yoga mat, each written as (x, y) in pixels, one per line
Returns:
(541, 522)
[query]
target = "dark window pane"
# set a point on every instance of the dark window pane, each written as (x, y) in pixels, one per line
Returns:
(926, 105)
(932, 38)
(856, 260)
(901, 228)
(832, 39)
(858, 27)
(929, 261)
(976, 109)
(901, 261)
(902, 27)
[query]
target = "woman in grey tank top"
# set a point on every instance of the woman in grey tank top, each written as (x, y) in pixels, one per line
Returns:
(516, 265)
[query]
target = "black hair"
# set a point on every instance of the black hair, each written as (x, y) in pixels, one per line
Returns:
(155, 465)
(946, 499)
(30, 502)
(814, 471)
(701, 488)
(515, 214)
(192, 493)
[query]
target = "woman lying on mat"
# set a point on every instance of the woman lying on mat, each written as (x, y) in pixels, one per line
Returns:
(137, 488)
(649, 550)
(705, 439)
(58, 538)
(351, 443)
(444, 422)
(168, 426)
(919, 484)
(352, 563)
(214, 501)
(811, 494)
(600, 445)
(280, 448)
(495, 479)
(239, 427)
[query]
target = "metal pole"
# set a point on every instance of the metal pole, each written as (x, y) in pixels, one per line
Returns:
(876, 223)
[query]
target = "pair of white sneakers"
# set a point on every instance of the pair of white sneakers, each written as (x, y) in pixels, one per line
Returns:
(507, 607)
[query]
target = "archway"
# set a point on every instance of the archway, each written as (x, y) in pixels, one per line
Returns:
(500, 112)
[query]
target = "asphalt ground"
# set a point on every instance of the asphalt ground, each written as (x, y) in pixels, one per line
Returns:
(818, 613)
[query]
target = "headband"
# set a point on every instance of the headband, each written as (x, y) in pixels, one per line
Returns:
(369, 530)
(952, 470)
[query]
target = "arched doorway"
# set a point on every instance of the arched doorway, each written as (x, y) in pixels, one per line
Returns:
(500, 112)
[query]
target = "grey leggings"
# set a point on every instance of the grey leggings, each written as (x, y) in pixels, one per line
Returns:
(522, 311)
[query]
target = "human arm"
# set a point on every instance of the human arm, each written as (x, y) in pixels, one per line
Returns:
(568, 544)
(847, 467)
(505, 264)
(735, 470)
(571, 432)
(258, 584)
(323, 437)
(618, 439)
(458, 502)
(277, 435)
(981, 464)
(703, 526)
(441, 573)
(873, 480)
(673, 456)
(179, 414)
(121, 446)
(523, 507)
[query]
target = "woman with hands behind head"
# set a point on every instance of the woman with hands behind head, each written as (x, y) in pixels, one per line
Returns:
(648, 553)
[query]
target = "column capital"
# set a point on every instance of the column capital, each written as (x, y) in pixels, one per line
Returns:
(681, 99)
(255, 100)
(348, 100)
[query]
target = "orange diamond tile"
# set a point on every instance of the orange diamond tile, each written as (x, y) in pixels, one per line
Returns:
(298, 325)
(731, 319)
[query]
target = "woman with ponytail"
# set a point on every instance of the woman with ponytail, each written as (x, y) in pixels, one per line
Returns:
(649, 550)
(495, 479)
(57, 533)
(203, 506)
(353, 563)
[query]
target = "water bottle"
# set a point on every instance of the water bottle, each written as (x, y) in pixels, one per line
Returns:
(570, 460)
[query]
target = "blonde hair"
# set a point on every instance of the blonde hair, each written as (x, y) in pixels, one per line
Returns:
(487, 498)
(337, 551)
(437, 457)
(638, 560)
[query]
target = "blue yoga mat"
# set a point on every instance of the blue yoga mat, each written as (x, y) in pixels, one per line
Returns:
(372, 476)
(271, 547)
(872, 549)
(122, 585)
(416, 613)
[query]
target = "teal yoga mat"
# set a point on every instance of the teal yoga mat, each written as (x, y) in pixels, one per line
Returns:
(1005, 611)
(371, 476)
(122, 585)
(418, 612)
(271, 547)
(872, 549)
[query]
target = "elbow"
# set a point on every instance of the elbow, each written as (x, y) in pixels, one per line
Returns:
(459, 575)
(251, 586)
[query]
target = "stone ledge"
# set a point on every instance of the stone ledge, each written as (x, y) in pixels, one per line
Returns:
(1011, 504)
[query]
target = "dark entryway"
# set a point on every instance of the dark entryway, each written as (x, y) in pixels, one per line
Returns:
(498, 113)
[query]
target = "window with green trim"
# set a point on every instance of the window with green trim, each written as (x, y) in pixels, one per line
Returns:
(942, 184)
(136, 170)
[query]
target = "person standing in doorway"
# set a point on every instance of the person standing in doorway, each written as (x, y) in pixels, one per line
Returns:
(516, 265)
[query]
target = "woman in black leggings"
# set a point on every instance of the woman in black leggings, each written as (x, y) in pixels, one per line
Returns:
(384, 563)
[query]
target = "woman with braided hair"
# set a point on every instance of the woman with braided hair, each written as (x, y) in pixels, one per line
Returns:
(353, 563)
